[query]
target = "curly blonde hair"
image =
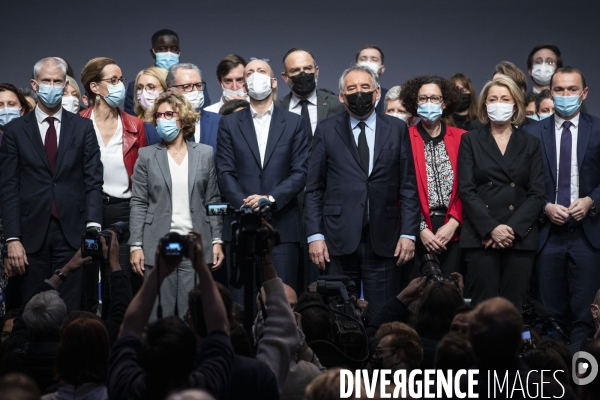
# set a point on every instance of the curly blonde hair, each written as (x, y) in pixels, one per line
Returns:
(186, 113)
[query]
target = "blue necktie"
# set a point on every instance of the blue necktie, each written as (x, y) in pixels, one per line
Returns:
(564, 167)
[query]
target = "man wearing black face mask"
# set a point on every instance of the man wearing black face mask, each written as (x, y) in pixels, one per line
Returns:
(301, 74)
(399, 348)
(360, 169)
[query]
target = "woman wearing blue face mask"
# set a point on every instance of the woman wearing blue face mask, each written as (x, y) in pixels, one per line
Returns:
(120, 136)
(173, 182)
(12, 105)
(435, 151)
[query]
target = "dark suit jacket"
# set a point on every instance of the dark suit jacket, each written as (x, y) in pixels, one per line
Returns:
(328, 104)
(28, 185)
(496, 189)
(129, 95)
(588, 159)
(209, 126)
(283, 175)
(338, 189)
(380, 106)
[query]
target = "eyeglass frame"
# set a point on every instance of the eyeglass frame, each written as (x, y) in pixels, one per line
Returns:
(122, 79)
(138, 90)
(428, 99)
(158, 115)
(194, 85)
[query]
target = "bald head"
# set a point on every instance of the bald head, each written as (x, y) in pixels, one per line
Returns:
(191, 394)
(259, 66)
(291, 295)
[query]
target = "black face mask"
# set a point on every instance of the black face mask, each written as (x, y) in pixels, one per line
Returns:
(303, 84)
(465, 102)
(360, 103)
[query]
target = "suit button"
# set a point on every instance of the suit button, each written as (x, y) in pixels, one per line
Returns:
(511, 208)
(260, 177)
(512, 184)
(489, 183)
(54, 183)
(191, 210)
(486, 206)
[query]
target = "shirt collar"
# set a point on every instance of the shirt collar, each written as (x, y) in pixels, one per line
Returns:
(312, 99)
(427, 138)
(40, 116)
(558, 121)
(257, 114)
(370, 122)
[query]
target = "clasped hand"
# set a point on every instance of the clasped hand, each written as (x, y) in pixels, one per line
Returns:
(559, 214)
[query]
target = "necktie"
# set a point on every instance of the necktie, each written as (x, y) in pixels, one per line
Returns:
(564, 166)
(51, 147)
(363, 152)
(304, 112)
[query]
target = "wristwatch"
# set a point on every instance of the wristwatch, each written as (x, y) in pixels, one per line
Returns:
(271, 199)
(60, 275)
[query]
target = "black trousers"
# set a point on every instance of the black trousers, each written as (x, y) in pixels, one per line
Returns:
(450, 259)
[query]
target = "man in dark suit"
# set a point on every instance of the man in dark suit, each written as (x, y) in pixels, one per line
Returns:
(372, 56)
(51, 180)
(262, 154)
(360, 168)
(569, 237)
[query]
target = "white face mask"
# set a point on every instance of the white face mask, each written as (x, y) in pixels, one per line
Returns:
(545, 115)
(403, 117)
(542, 73)
(196, 98)
(500, 112)
(71, 104)
(259, 86)
(228, 93)
(371, 65)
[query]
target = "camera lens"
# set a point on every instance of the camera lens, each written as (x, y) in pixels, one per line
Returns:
(430, 268)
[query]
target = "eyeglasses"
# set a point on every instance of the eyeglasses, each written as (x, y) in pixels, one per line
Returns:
(378, 350)
(168, 115)
(189, 87)
(149, 88)
(433, 99)
(114, 80)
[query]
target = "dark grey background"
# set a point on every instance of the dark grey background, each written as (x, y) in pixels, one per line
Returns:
(417, 37)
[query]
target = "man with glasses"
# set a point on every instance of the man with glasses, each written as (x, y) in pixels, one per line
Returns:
(542, 61)
(186, 80)
(51, 179)
(569, 233)
(399, 348)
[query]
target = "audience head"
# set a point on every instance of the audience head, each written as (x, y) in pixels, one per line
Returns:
(359, 90)
(544, 105)
(191, 394)
(44, 313)
(291, 295)
(103, 82)
(12, 103)
(399, 347)
(17, 386)
(49, 81)
(495, 332)
(186, 80)
(82, 355)
(233, 106)
(547, 359)
(71, 99)
(468, 97)
(431, 97)
(6, 324)
(372, 57)
(437, 308)
(196, 320)
(260, 82)
(230, 74)
(591, 391)
(530, 109)
(568, 90)
(317, 322)
(174, 115)
(454, 352)
(542, 61)
(501, 100)
(149, 84)
(393, 105)
(460, 322)
(165, 48)
(506, 68)
(30, 96)
(325, 386)
(561, 349)
(300, 72)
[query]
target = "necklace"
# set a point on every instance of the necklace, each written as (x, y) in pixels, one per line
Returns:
(177, 151)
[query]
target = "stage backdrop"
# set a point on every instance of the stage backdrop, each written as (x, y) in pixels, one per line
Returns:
(417, 37)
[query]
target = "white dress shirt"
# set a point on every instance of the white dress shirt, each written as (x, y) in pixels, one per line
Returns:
(40, 116)
(262, 123)
(296, 107)
(197, 133)
(181, 218)
(116, 178)
(558, 128)
(215, 107)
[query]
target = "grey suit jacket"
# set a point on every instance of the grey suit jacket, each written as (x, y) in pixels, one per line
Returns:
(328, 105)
(151, 206)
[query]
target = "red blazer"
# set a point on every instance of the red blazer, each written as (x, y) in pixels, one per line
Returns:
(134, 137)
(452, 142)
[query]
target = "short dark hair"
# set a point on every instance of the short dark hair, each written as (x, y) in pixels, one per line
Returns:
(371, 46)
(437, 309)
(544, 94)
(229, 62)
(195, 306)
(294, 49)
(530, 97)
(548, 359)
(410, 93)
(7, 87)
(454, 352)
(317, 322)
(552, 48)
(232, 105)
(569, 70)
(163, 32)
(559, 347)
(513, 72)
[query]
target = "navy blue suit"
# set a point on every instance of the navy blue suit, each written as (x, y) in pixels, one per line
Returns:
(209, 125)
(282, 175)
(569, 255)
(128, 105)
(29, 187)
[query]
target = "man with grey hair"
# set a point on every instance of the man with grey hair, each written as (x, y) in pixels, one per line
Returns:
(360, 169)
(51, 178)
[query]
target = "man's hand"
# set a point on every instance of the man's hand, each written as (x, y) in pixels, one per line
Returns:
(319, 253)
(218, 257)
(580, 207)
(446, 232)
(76, 262)
(412, 291)
(112, 254)
(137, 261)
(503, 236)
(252, 201)
(405, 250)
(17, 258)
(431, 242)
(557, 214)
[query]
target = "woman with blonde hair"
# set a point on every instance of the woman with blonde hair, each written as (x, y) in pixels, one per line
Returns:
(149, 84)
(71, 100)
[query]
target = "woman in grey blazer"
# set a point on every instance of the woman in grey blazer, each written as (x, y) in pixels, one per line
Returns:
(172, 183)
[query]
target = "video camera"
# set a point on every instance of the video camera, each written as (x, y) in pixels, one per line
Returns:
(430, 268)
(91, 245)
(174, 245)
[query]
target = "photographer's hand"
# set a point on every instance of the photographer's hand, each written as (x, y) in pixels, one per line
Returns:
(112, 254)
(74, 264)
(412, 291)
(459, 280)
(137, 261)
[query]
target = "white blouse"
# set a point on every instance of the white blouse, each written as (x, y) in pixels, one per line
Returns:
(181, 218)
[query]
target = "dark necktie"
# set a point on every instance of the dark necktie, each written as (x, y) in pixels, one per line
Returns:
(564, 166)
(363, 152)
(51, 147)
(304, 113)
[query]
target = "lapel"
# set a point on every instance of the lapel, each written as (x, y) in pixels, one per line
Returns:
(32, 131)
(382, 132)
(193, 160)
(163, 163)
(583, 136)
(247, 130)
(275, 131)
(487, 142)
(66, 134)
(418, 147)
(343, 129)
(285, 101)
(515, 146)
(322, 105)
(130, 132)
(549, 140)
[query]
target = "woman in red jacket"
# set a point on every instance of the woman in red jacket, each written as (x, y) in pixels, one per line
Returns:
(435, 151)
(120, 136)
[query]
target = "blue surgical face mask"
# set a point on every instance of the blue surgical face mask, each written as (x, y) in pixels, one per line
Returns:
(430, 112)
(166, 59)
(167, 129)
(116, 94)
(50, 96)
(566, 105)
(7, 114)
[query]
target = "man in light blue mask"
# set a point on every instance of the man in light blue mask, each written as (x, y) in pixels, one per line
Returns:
(569, 235)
